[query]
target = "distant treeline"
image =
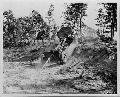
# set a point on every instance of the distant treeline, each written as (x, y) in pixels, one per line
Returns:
(18, 32)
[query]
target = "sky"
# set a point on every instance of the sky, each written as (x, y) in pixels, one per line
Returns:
(24, 8)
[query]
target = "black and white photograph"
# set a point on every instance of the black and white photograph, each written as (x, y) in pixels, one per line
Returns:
(59, 47)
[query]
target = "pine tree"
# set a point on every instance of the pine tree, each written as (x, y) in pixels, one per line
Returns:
(75, 13)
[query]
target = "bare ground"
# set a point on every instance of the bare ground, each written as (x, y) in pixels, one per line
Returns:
(85, 72)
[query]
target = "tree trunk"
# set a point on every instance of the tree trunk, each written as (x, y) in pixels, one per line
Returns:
(81, 34)
(80, 26)
(112, 29)
(42, 42)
